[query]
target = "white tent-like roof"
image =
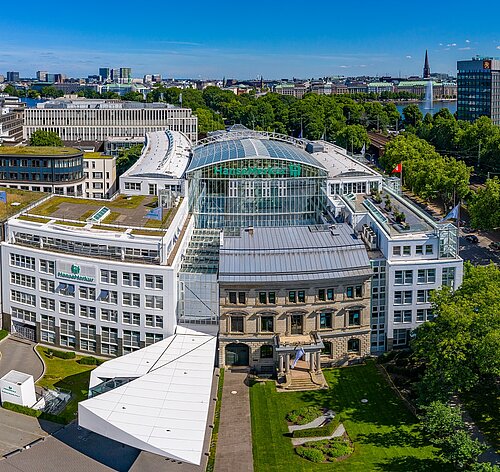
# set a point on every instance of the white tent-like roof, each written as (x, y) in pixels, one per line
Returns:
(163, 407)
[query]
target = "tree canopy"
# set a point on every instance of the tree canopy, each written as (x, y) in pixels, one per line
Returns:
(45, 138)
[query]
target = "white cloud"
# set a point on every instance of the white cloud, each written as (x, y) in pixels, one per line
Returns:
(467, 40)
(467, 48)
(408, 57)
(344, 67)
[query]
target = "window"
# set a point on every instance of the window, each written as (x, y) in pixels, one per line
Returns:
(350, 292)
(242, 298)
(271, 296)
(396, 250)
(67, 290)
(330, 294)
(328, 349)
(406, 250)
(154, 301)
(22, 297)
(426, 276)
(325, 320)
(67, 308)
(25, 262)
(266, 351)
(353, 345)
(292, 296)
(131, 299)
(403, 277)
(25, 315)
(448, 276)
(262, 298)
(152, 338)
(67, 333)
(267, 324)
(154, 281)
(109, 296)
(425, 314)
(154, 321)
(131, 279)
(429, 249)
(109, 341)
(47, 286)
(402, 316)
(87, 311)
(237, 297)
(419, 250)
(87, 337)
(87, 293)
(401, 337)
(47, 304)
(301, 296)
(356, 291)
(354, 317)
(131, 339)
(48, 327)
(132, 318)
(402, 297)
(237, 324)
(109, 315)
(232, 298)
(47, 267)
(22, 280)
(423, 296)
(321, 294)
(109, 276)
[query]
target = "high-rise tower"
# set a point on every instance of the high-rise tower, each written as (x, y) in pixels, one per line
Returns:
(427, 69)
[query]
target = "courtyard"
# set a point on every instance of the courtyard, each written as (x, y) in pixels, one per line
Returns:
(383, 431)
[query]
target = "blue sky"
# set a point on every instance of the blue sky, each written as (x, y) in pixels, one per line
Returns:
(246, 39)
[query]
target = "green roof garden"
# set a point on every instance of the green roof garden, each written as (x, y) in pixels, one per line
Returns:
(95, 155)
(38, 151)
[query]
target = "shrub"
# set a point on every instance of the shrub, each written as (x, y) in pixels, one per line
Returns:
(61, 354)
(304, 415)
(332, 448)
(310, 454)
(89, 360)
(35, 413)
(387, 357)
(3, 333)
(401, 362)
(321, 431)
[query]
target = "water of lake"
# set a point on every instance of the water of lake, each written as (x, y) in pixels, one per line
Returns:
(437, 105)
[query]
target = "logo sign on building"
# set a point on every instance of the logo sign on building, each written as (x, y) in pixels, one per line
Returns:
(487, 65)
(293, 170)
(76, 272)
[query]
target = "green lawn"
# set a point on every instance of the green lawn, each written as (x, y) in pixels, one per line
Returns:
(3, 333)
(384, 432)
(66, 374)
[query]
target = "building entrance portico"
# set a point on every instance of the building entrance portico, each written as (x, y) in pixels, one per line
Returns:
(305, 372)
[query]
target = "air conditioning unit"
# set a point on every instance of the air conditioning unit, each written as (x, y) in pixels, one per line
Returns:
(369, 237)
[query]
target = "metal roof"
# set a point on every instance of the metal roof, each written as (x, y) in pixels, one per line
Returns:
(247, 148)
(295, 253)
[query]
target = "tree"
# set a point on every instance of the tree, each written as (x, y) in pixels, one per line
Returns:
(133, 96)
(440, 420)
(207, 121)
(460, 348)
(352, 137)
(412, 115)
(484, 207)
(127, 158)
(51, 92)
(45, 138)
(32, 94)
(460, 450)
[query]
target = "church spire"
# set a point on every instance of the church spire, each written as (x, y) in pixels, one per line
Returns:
(427, 69)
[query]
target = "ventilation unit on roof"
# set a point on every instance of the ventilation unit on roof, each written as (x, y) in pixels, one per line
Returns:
(314, 147)
(369, 237)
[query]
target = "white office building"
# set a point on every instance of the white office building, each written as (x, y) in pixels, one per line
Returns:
(100, 175)
(97, 120)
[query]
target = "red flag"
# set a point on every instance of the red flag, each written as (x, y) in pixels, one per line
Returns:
(398, 168)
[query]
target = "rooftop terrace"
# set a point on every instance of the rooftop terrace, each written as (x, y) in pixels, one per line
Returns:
(124, 213)
(17, 200)
(38, 151)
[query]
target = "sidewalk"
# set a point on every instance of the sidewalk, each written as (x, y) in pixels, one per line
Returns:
(234, 444)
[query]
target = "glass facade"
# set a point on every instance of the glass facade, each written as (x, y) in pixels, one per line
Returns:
(258, 191)
(41, 169)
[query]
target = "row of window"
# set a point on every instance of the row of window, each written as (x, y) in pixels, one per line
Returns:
(295, 296)
(405, 297)
(406, 316)
(424, 276)
(420, 250)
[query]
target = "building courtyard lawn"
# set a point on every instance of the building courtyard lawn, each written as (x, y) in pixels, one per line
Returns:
(66, 374)
(384, 433)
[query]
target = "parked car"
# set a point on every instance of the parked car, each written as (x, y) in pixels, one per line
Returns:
(495, 245)
(472, 238)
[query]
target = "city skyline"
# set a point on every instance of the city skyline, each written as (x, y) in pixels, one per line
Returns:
(211, 43)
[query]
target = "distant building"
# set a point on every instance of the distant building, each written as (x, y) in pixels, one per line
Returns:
(379, 87)
(11, 120)
(125, 75)
(12, 76)
(115, 75)
(105, 73)
(41, 75)
(478, 83)
(427, 69)
(297, 90)
(98, 120)
(440, 90)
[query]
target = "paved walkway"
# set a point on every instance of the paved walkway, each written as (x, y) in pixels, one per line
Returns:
(19, 355)
(234, 444)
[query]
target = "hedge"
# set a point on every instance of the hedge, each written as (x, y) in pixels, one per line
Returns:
(35, 413)
(89, 360)
(310, 454)
(319, 432)
(61, 354)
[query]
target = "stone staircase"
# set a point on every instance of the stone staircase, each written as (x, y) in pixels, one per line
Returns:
(302, 384)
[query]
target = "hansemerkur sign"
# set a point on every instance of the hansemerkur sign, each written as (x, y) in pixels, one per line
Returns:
(292, 170)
